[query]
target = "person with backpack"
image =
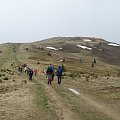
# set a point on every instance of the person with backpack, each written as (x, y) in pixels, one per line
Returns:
(59, 74)
(35, 72)
(49, 73)
(30, 73)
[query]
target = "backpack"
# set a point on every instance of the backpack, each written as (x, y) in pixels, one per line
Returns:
(31, 72)
(59, 71)
(49, 70)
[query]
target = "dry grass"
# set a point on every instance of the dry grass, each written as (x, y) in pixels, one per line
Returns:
(98, 85)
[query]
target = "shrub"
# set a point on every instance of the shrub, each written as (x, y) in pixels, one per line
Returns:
(38, 62)
(94, 60)
(49, 54)
(26, 49)
(6, 78)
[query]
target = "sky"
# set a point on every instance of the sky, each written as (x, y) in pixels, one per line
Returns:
(33, 20)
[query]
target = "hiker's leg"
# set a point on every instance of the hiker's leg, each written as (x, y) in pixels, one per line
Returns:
(29, 77)
(52, 77)
(50, 81)
(60, 79)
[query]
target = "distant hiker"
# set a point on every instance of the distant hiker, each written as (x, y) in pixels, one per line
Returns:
(25, 69)
(35, 71)
(30, 73)
(59, 74)
(19, 69)
(49, 73)
(92, 64)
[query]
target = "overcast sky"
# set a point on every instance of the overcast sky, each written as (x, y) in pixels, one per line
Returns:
(32, 20)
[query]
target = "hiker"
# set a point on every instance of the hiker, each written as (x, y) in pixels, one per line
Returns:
(30, 73)
(35, 71)
(18, 68)
(49, 73)
(25, 69)
(21, 69)
(59, 74)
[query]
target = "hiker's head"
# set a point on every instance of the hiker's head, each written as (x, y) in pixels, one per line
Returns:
(50, 64)
(59, 66)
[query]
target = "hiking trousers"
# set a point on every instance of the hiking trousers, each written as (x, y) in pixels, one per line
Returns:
(59, 79)
(30, 77)
(49, 78)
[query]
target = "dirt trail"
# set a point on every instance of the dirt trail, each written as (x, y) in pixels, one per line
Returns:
(99, 106)
(62, 112)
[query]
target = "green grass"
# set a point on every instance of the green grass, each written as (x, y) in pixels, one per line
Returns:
(41, 99)
(111, 96)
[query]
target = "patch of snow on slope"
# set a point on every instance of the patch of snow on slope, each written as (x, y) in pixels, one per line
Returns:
(60, 48)
(74, 91)
(86, 40)
(52, 48)
(84, 47)
(61, 60)
(113, 44)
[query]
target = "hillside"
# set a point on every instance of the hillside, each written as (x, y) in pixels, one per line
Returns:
(95, 47)
(90, 88)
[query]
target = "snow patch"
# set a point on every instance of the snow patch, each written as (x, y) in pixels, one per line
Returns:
(60, 48)
(84, 47)
(74, 91)
(113, 44)
(52, 48)
(86, 40)
(61, 60)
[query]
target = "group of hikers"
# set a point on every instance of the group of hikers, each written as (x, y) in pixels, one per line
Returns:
(49, 72)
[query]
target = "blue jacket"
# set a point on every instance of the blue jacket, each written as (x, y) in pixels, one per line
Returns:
(59, 71)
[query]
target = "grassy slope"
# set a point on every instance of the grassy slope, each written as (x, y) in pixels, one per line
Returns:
(84, 78)
(42, 110)
(95, 82)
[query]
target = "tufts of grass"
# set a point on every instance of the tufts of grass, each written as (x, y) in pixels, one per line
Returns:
(112, 96)
(41, 99)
